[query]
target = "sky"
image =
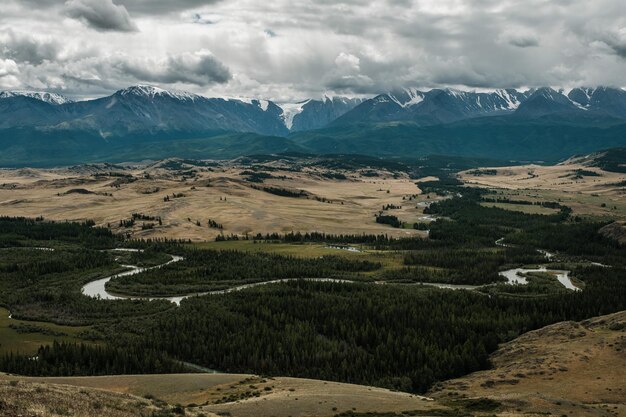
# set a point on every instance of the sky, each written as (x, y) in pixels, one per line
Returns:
(287, 50)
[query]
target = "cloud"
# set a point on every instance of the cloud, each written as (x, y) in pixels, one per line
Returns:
(8, 67)
(617, 42)
(9, 72)
(102, 15)
(348, 62)
(27, 49)
(321, 47)
(200, 68)
(160, 7)
(136, 7)
(523, 41)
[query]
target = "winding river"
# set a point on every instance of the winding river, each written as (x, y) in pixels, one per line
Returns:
(97, 289)
(516, 275)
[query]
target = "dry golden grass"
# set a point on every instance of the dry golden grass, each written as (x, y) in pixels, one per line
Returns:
(575, 369)
(30, 399)
(599, 196)
(234, 394)
(304, 397)
(173, 389)
(222, 194)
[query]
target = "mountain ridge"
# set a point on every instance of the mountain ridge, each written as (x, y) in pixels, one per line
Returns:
(147, 122)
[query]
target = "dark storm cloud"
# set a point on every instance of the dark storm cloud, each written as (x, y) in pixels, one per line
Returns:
(136, 7)
(103, 15)
(617, 44)
(200, 68)
(155, 7)
(524, 41)
(26, 49)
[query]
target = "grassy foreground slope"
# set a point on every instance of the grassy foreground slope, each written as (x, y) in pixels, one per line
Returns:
(569, 368)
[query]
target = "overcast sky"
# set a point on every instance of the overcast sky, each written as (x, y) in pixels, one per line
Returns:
(293, 49)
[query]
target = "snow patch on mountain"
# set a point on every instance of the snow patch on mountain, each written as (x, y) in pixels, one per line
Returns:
(407, 97)
(263, 104)
(50, 98)
(151, 91)
(291, 110)
(512, 102)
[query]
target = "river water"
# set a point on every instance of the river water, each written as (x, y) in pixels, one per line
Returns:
(97, 289)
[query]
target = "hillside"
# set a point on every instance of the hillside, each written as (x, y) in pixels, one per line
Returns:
(567, 368)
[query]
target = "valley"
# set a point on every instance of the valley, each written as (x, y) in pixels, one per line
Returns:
(314, 285)
(306, 208)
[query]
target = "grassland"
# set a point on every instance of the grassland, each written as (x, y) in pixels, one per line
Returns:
(589, 191)
(187, 197)
(569, 368)
(524, 208)
(27, 336)
(238, 395)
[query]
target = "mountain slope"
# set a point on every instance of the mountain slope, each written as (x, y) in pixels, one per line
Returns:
(316, 114)
(24, 111)
(505, 138)
(143, 111)
(432, 107)
(610, 101)
(546, 101)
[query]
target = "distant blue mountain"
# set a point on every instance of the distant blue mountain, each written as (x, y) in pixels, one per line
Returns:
(138, 121)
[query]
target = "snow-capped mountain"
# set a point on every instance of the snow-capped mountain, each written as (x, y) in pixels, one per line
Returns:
(611, 101)
(546, 101)
(143, 110)
(148, 122)
(149, 91)
(434, 106)
(50, 98)
(147, 111)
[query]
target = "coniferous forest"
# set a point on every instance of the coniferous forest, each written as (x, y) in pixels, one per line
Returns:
(402, 335)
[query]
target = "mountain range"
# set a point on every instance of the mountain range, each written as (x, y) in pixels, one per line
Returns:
(400, 122)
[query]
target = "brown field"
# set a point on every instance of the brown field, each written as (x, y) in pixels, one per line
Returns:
(600, 197)
(219, 193)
